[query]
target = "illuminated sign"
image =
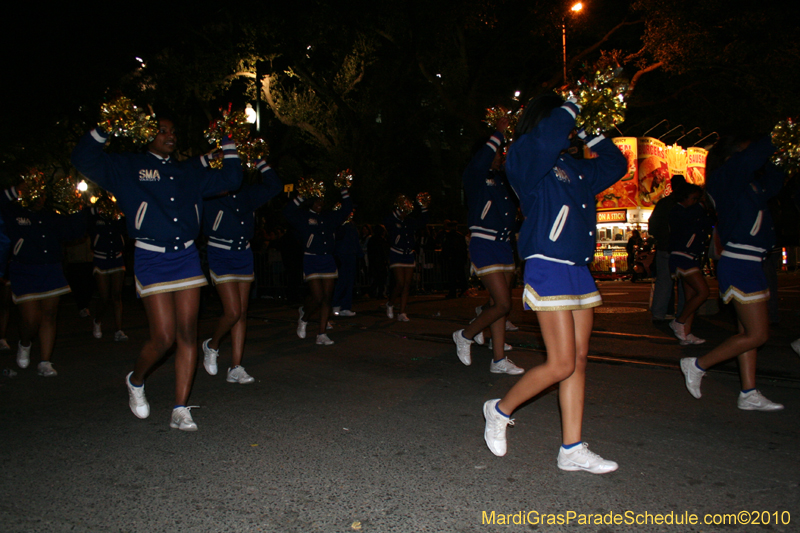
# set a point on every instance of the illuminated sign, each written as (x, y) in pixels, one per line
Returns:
(619, 215)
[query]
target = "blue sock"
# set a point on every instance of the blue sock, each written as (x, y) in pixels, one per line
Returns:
(748, 390)
(495, 362)
(177, 407)
(698, 366)
(497, 408)
(570, 446)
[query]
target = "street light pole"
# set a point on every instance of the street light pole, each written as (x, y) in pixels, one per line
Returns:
(575, 9)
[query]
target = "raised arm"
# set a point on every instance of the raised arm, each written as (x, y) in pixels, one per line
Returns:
(481, 162)
(270, 186)
(94, 163)
(534, 154)
(229, 178)
(607, 168)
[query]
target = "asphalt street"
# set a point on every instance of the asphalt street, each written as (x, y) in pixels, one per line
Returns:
(383, 431)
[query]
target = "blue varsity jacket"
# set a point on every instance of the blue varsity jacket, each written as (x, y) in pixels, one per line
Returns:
(229, 220)
(317, 231)
(492, 210)
(162, 198)
(740, 190)
(557, 192)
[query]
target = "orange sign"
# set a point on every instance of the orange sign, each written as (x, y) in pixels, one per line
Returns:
(623, 193)
(653, 171)
(696, 165)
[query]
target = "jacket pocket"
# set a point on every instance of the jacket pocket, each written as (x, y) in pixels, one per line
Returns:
(559, 223)
(140, 215)
(757, 224)
(217, 220)
(486, 209)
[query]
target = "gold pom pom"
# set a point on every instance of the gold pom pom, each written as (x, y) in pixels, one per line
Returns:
(64, 196)
(424, 199)
(493, 114)
(234, 125)
(786, 138)
(32, 189)
(308, 188)
(253, 150)
(602, 101)
(403, 205)
(121, 118)
(344, 179)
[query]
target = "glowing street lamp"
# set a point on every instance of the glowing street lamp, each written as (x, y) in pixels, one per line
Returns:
(250, 113)
(576, 8)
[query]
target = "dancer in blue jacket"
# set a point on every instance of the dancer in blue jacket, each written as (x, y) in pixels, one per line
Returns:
(162, 199)
(107, 234)
(689, 227)
(557, 196)
(741, 181)
(316, 229)
(35, 271)
(229, 223)
(402, 258)
(492, 215)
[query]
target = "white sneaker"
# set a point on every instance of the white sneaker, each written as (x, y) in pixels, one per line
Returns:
(329, 325)
(580, 458)
(23, 355)
(324, 340)
(346, 312)
(4, 345)
(691, 339)
(478, 339)
(238, 375)
(510, 326)
(677, 329)
(755, 401)
(795, 346)
(137, 399)
(462, 347)
(120, 336)
(45, 368)
(389, 310)
(210, 358)
(693, 375)
(97, 330)
(506, 347)
(301, 325)
(495, 431)
(402, 317)
(182, 419)
(336, 310)
(505, 366)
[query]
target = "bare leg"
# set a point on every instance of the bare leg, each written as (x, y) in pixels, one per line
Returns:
(326, 287)
(231, 312)
(160, 310)
(47, 329)
(571, 391)
(187, 304)
(696, 290)
(558, 331)
(117, 280)
(314, 300)
(239, 330)
(753, 332)
(406, 275)
(30, 319)
(494, 315)
(103, 283)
